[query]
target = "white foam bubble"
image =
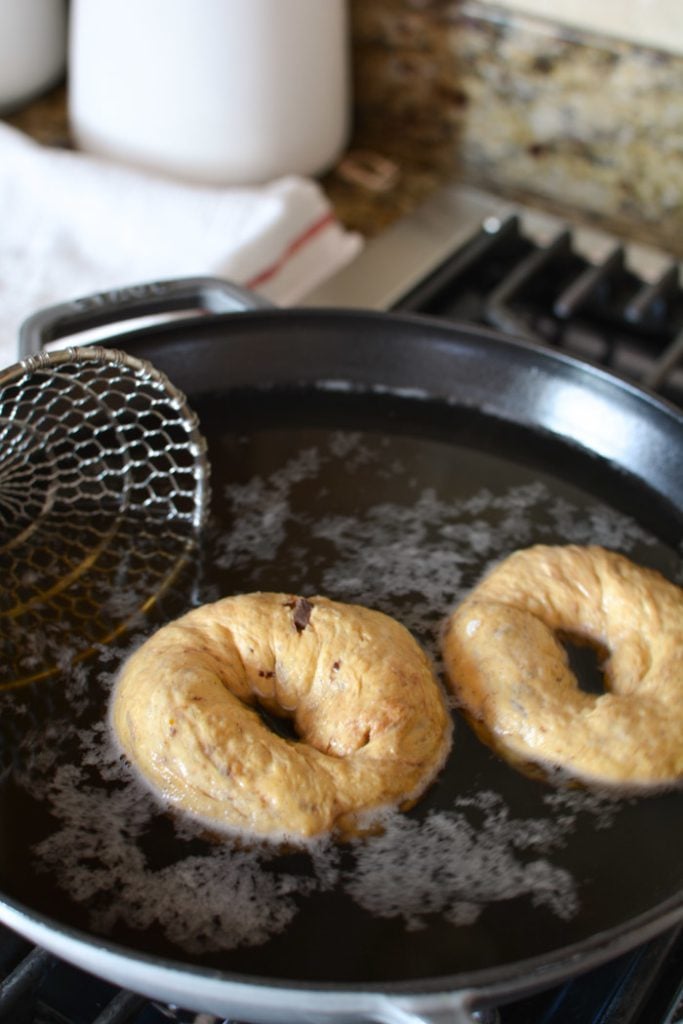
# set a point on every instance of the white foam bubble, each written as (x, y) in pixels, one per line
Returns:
(446, 865)
(219, 898)
(260, 509)
(423, 547)
(567, 804)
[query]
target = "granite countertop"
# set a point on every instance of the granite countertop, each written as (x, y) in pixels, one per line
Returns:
(585, 125)
(45, 119)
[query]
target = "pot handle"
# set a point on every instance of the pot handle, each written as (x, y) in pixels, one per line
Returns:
(444, 1008)
(204, 294)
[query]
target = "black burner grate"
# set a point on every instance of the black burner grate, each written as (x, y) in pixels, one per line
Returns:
(642, 987)
(38, 988)
(553, 295)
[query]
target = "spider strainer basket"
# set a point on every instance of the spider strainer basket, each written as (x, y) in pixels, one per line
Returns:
(103, 487)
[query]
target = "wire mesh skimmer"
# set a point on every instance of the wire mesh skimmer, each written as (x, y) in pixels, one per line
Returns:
(103, 486)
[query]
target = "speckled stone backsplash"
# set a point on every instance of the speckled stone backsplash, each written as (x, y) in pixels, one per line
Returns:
(525, 108)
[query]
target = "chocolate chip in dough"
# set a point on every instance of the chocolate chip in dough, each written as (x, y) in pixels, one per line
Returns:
(302, 614)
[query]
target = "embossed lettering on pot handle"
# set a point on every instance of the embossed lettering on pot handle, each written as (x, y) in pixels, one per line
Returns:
(106, 309)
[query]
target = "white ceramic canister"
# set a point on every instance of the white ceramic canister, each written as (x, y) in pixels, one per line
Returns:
(218, 91)
(32, 49)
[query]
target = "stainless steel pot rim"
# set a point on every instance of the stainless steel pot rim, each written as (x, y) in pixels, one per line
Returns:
(509, 980)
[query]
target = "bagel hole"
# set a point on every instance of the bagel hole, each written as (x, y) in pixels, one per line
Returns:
(281, 725)
(586, 660)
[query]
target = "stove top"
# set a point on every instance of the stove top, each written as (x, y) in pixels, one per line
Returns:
(468, 256)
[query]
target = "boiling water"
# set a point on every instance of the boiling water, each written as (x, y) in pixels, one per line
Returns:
(404, 520)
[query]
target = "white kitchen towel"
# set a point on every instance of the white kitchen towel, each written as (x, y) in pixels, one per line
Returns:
(72, 224)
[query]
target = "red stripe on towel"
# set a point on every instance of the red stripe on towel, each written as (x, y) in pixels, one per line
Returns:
(292, 248)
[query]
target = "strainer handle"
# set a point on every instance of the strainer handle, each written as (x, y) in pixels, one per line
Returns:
(205, 294)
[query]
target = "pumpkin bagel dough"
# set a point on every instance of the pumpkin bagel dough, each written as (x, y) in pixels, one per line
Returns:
(371, 720)
(512, 679)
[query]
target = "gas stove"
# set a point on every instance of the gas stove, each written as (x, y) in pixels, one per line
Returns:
(469, 256)
(466, 256)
